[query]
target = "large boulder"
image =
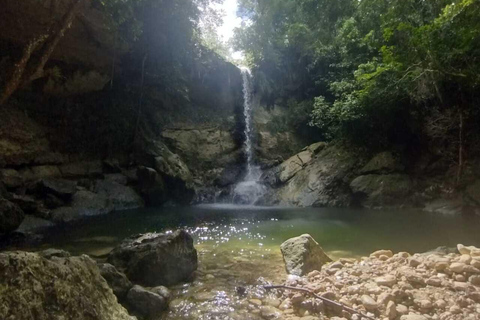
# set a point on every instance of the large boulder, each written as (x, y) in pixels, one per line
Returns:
(84, 203)
(11, 216)
(11, 178)
(382, 190)
(34, 287)
(21, 138)
(155, 259)
(116, 280)
(43, 172)
(320, 181)
(151, 186)
(176, 174)
(82, 169)
(302, 255)
(119, 197)
(58, 187)
(383, 163)
(149, 302)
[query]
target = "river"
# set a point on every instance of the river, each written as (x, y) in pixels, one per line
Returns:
(238, 246)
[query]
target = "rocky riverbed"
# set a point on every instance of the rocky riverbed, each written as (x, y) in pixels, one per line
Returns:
(440, 285)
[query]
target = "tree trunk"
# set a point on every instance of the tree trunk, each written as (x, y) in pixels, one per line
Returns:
(461, 159)
(21, 76)
(55, 37)
(20, 66)
(140, 100)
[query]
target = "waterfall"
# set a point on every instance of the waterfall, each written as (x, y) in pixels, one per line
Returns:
(249, 190)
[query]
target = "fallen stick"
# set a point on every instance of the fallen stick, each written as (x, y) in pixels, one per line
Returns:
(337, 304)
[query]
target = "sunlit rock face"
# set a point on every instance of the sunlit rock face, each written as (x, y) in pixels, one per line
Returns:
(55, 288)
(302, 255)
(318, 176)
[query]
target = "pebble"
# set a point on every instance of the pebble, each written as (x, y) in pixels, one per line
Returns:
(457, 267)
(414, 262)
(434, 281)
(475, 263)
(379, 253)
(391, 311)
(440, 304)
(413, 317)
(465, 258)
(460, 278)
(440, 266)
(470, 269)
(387, 280)
(475, 280)
(270, 313)
(460, 286)
(464, 250)
(272, 302)
(425, 304)
(255, 302)
(369, 303)
(401, 309)
(455, 310)
(286, 304)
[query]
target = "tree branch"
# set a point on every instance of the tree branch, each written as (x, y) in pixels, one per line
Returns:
(337, 304)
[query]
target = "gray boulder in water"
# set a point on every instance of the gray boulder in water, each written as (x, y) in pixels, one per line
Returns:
(302, 255)
(155, 259)
(56, 288)
(149, 302)
(116, 280)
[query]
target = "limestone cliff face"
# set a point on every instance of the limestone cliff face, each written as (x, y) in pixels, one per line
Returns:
(336, 175)
(275, 142)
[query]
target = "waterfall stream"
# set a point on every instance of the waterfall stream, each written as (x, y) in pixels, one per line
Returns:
(250, 189)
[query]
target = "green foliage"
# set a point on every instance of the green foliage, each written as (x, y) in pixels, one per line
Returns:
(375, 69)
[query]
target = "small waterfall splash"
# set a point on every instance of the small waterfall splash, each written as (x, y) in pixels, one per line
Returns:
(249, 190)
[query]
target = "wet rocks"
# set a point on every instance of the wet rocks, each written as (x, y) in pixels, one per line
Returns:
(148, 302)
(11, 178)
(270, 313)
(116, 280)
(55, 288)
(11, 216)
(58, 187)
(302, 255)
(154, 259)
(120, 197)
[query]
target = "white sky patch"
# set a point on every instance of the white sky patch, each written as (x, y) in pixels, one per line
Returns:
(230, 21)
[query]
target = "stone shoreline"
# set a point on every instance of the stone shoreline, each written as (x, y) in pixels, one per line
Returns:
(386, 286)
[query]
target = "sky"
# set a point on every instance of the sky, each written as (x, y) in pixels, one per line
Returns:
(230, 22)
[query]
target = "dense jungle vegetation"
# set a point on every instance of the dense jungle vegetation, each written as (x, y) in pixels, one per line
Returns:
(379, 72)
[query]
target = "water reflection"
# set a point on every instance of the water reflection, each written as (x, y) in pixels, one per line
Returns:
(237, 246)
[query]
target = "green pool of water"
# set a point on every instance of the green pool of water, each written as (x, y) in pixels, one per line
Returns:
(239, 245)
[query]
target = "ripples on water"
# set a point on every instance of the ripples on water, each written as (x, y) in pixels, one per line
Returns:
(238, 247)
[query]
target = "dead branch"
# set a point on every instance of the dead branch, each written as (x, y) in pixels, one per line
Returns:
(334, 303)
(47, 43)
(65, 24)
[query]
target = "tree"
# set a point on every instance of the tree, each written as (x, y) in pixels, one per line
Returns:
(28, 69)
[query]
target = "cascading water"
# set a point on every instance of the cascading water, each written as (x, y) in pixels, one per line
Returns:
(250, 189)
